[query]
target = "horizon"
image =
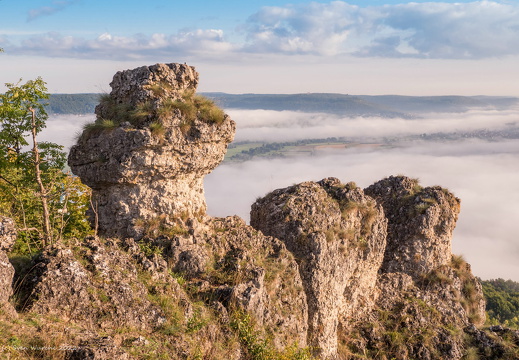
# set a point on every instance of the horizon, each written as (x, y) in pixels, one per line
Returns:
(371, 47)
(316, 93)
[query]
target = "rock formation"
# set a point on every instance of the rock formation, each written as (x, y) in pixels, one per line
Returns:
(360, 255)
(325, 268)
(338, 236)
(151, 145)
(420, 224)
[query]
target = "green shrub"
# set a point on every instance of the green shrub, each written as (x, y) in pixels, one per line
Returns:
(191, 107)
(502, 298)
(260, 347)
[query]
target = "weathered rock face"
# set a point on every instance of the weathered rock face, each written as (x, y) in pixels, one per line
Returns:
(151, 160)
(240, 268)
(7, 239)
(361, 288)
(338, 236)
(111, 290)
(420, 224)
(418, 320)
(103, 290)
(151, 83)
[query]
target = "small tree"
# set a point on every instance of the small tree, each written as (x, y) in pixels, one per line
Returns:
(33, 188)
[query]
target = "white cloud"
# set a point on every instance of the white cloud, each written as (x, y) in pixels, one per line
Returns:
(475, 30)
(49, 10)
(108, 46)
(432, 30)
(311, 28)
(461, 30)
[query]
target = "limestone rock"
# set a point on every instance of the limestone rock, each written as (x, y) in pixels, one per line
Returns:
(149, 165)
(338, 237)
(420, 224)
(240, 268)
(404, 325)
(147, 82)
(494, 343)
(361, 289)
(103, 292)
(7, 233)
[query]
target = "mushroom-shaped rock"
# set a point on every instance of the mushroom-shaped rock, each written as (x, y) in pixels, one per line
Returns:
(151, 145)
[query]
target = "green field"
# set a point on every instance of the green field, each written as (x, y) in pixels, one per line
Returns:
(244, 151)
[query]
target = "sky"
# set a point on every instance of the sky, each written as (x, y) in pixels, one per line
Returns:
(354, 47)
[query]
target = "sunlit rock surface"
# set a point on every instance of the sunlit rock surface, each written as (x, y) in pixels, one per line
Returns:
(137, 171)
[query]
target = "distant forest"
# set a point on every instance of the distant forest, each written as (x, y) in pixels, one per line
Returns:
(502, 298)
(388, 106)
(72, 103)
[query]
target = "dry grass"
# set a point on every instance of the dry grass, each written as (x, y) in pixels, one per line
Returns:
(191, 107)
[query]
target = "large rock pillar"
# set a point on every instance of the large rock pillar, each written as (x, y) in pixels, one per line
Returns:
(146, 155)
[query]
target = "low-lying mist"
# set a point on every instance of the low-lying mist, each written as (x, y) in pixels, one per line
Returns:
(483, 173)
(279, 126)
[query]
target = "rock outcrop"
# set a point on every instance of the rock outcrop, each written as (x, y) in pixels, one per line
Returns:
(151, 145)
(7, 239)
(96, 286)
(420, 224)
(338, 236)
(325, 268)
(373, 260)
(238, 267)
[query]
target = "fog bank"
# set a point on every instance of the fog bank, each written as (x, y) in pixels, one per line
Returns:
(483, 175)
(278, 126)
